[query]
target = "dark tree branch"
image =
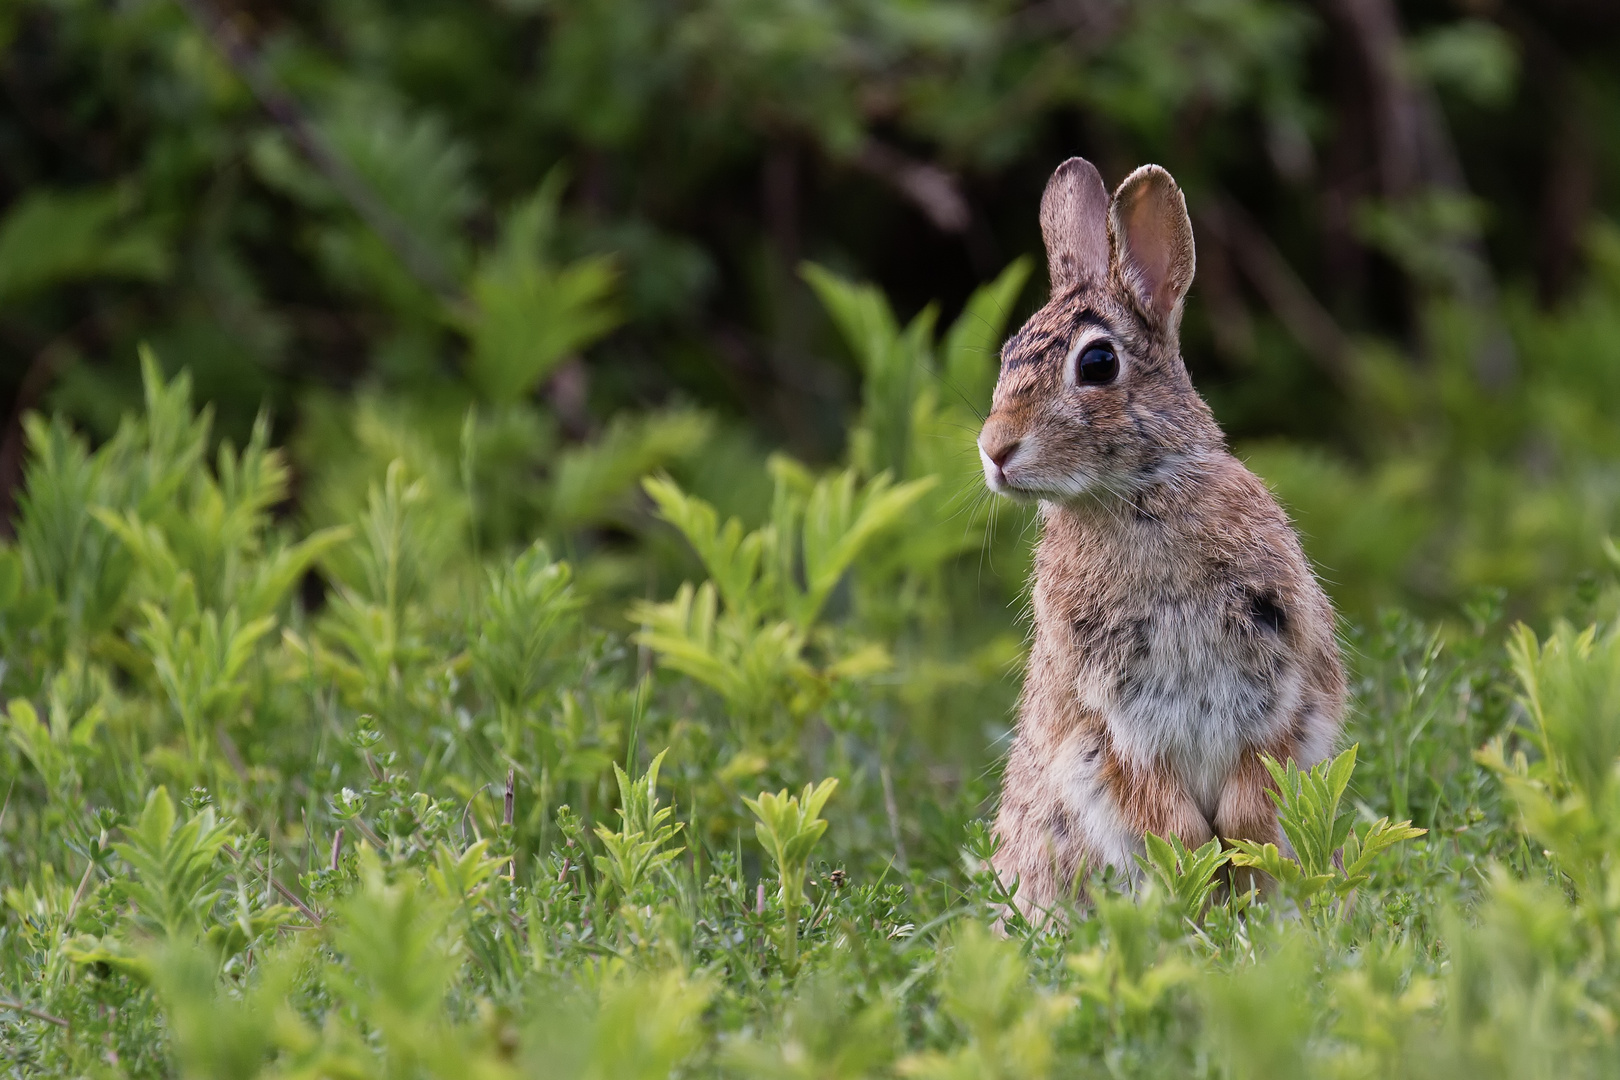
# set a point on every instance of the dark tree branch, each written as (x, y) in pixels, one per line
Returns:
(779, 195)
(1566, 203)
(1229, 320)
(1284, 293)
(1398, 120)
(1569, 185)
(930, 188)
(1415, 153)
(422, 263)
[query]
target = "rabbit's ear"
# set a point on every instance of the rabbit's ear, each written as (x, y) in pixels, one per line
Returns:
(1153, 243)
(1074, 223)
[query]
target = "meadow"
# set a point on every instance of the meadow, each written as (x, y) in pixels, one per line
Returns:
(496, 579)
(379, 797)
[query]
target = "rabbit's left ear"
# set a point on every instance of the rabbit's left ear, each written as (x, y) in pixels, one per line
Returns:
(1074, 224)
(1152, 242)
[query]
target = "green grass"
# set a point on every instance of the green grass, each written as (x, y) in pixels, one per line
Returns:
(376, 797)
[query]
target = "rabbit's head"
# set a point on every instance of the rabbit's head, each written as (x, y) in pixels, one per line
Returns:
(1092, 395)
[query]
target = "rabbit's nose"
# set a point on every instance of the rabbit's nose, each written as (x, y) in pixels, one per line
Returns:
(998, 454)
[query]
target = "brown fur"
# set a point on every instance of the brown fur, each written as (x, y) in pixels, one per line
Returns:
(1178, 630)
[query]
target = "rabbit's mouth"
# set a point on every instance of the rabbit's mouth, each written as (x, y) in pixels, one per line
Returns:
(1004, 467)
(1067, 489)
(1013, 470)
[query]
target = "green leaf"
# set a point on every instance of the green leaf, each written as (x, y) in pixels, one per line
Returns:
(462, 878)
(527, 315)
(1294, 881)
(413, 163)
(592, 480)
(10, 577)
(734, 560)
(789, 827)
(839, 523)
(639, 848)
(1188, 875)
(49, 238)
(1361, 848)
(894, 363)
(1309, 808)
(973, 343)
(530, 623)
(177, 876)
(116, 954)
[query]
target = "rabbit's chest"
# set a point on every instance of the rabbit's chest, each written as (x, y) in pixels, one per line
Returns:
(1186, 683)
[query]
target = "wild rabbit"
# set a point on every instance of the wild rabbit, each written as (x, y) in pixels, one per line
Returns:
(1179, 631)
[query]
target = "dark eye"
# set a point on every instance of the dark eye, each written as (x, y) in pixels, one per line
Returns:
(1098, 364)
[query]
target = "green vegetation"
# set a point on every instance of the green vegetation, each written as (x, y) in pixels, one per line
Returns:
(499, 583)
(391, 834)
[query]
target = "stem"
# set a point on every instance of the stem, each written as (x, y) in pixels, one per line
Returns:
(37, 1014)
(199, 758)
(287, 894)
(545, 807)
(509, 731)
(892, 808)
(791, 911)
(78, 894)
(369, 833)
(506, 819)
(792, 898)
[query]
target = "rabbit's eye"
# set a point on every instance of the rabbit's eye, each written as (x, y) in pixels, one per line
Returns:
(1098, 364)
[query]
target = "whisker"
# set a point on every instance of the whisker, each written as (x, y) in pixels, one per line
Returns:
(987, 542)
(944, 380)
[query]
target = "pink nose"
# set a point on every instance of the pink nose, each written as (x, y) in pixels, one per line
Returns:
(998, 454)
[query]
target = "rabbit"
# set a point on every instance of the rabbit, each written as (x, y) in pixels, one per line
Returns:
(1179, 632)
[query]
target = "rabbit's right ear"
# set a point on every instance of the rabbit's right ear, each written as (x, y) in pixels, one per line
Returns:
(1153, 242)
(1074, 223)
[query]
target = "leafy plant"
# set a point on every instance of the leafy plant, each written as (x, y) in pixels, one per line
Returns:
(639, 849)
(51, 237)
(394, 840)
(1309, 813)
(1132, 977)
(827, 1032)
(788, 828)
(528, 314)
(521, 642)
(751, 652)
(1189, 876)
(1009, 1024)
(177, 863)
(57, 744)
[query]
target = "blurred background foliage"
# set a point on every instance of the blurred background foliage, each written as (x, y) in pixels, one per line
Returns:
(583, 224)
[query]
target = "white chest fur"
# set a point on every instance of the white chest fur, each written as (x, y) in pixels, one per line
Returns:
(1190, 692)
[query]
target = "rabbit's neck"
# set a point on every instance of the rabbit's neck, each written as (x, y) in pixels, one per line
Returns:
(1104, 563)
